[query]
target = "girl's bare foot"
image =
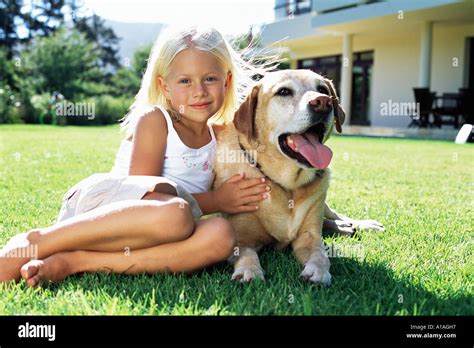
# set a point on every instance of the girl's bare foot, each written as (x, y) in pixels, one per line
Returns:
(52, 269)
(18, 250)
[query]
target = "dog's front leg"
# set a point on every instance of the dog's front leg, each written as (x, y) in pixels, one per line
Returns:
(310, 252)
(343, 225)
(246, 265)
(309, 248)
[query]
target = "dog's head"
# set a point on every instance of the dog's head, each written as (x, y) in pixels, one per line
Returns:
(295, 110)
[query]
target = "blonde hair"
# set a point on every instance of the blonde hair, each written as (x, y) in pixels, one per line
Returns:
(171, 41)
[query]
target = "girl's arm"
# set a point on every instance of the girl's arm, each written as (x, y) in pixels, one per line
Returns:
(207, 202)
(149, 145)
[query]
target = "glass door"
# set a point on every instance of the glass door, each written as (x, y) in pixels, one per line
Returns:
(361, 87)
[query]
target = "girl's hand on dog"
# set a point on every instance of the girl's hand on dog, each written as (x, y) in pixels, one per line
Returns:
(240, 195)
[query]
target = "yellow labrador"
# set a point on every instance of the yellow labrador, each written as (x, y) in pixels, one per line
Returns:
(279, 133)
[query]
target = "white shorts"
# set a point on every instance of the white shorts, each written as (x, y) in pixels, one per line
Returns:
(104, 188)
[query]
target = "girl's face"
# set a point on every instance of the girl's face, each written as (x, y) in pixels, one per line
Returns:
(196, 84)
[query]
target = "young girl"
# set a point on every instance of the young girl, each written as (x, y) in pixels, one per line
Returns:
(141, 216)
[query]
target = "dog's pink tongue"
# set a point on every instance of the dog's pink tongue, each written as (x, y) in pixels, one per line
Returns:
(317, 154)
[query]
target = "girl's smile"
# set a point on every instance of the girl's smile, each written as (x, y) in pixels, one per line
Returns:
(200, 106)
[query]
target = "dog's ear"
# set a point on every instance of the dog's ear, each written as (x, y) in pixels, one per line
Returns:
(339, 114)
(244, 117)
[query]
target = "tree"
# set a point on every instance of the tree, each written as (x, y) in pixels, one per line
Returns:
(140, 59)
(8, 74)
(22, 21)
(127, 79)
(34, 18)
(64, 62)
(95, 30)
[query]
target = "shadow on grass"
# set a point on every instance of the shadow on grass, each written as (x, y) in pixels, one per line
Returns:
(358, 288)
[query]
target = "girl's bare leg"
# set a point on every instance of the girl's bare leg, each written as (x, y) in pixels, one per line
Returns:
(212, 241)
(133, 224)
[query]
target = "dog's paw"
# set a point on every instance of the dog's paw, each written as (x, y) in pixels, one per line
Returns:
(247, 274)
(313, 273)
(368, 225)
(345, 228)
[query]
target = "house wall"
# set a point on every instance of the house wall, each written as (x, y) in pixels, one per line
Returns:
(395, 73)
(450, 42)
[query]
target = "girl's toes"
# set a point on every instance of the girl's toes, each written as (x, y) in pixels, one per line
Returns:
(34, 281)
(30, 269)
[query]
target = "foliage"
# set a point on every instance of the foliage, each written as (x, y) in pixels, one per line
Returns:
(8, 72)
(61, 63)
(128, 78)
(110, 109)
(9, 104)
(107, 42)
(23, 21)
(106, 109)
(36, 18)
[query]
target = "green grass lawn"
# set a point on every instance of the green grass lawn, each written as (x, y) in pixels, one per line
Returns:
(421, 265)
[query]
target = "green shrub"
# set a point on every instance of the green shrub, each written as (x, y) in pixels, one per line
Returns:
(111, 109)
(61, 62)
(42, 108)
(10, 103)
(100, 110)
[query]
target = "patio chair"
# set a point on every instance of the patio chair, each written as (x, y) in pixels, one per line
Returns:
(448, 112)
(424, 98)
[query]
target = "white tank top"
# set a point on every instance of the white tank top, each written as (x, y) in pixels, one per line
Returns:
(191, 168)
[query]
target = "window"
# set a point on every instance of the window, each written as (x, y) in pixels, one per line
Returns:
(292, 7)
(307, 63)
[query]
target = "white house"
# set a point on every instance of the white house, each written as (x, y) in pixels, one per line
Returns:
(376, 52)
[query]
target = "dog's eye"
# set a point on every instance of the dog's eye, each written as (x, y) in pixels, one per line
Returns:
(283, 92)
(322, 89)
